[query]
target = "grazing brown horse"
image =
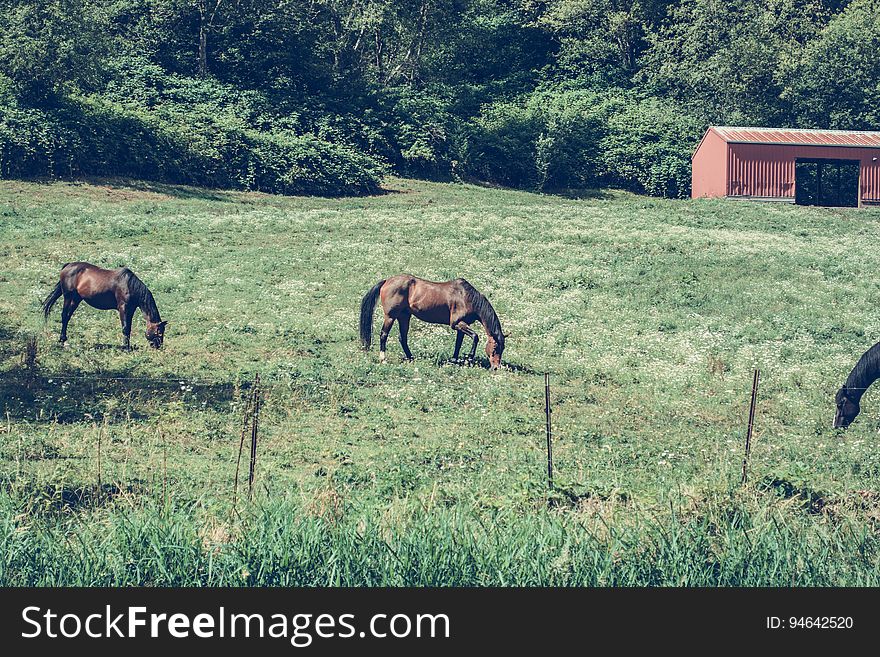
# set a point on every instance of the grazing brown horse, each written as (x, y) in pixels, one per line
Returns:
(106, 289)
(455, 303)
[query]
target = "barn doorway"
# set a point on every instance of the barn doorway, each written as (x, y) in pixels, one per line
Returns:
(832, 183)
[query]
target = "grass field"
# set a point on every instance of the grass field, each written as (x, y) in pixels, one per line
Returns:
(649, 315)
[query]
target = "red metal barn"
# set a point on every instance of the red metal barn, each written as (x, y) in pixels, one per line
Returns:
(809, 167)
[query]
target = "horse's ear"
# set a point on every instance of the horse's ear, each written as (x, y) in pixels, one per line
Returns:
(163, 324)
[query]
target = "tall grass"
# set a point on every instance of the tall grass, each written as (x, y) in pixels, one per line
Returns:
(730, 541)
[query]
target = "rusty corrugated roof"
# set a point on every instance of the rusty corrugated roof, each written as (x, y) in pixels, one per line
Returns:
(798, 137)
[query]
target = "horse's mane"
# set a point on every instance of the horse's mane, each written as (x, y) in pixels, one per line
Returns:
(866, 371)
(142, 295)
(486, 313)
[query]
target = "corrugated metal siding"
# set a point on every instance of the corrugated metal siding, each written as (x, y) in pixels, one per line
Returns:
(798, 137)
(869, 178)
(759, 171)
(768, 170)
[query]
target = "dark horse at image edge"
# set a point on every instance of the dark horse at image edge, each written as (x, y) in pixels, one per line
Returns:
(848, 398)
(455, 303)
(106, 289)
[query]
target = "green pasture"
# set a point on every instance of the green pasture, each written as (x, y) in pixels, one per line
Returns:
(650, 316)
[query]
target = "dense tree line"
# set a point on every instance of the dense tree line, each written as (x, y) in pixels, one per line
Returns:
(325, 96)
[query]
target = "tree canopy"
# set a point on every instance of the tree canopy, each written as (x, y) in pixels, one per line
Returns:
(534, 93)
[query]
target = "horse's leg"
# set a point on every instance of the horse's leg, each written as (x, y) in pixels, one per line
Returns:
(126, 314)
(383, 336)
(464, 328)
(403, 325)
(459, 338)
(70, 305)
(474, 347)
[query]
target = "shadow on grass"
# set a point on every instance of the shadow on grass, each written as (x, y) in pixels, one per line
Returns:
(183, 192)
(483, 363)
(521, 369)
(74, 396)
(132, 189)
(138, 189)
(107, 346)
(813, 501)
(577, 194)
(562, 497)
(9, 345)
(581, 194)
(29, 391)
(40, 499)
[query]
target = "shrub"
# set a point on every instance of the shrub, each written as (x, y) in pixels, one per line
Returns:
(420, 127)
(571, 138)
(31, 144)
(567, 150)
(501, 146)
(648, 147)
(97, 137)
(285, 163)
(549, 140)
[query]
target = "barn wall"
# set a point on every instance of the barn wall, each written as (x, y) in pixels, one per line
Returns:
(765, 170)
(709, 167)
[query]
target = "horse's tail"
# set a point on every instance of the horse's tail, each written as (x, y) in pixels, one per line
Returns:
(367, 306)
(50, 300)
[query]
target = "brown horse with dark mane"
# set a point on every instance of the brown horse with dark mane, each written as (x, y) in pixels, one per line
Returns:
(106, 289)
(454, 303)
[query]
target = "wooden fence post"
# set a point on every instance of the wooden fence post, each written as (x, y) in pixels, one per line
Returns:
(745, 466)
(547, 413)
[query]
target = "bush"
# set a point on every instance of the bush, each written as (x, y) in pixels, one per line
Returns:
(569, 138)
(648, 147)
(32, 143)
(285, 163)
(568, 147)
(550, 140)
(420, 127)
(210, 141)
(501, 146)
(153, 125)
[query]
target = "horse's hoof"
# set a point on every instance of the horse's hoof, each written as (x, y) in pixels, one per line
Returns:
(65, 344)
(381, 356)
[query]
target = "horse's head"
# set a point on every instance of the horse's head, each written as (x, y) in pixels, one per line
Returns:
(155, 333)
(847, 409)
(494, 349)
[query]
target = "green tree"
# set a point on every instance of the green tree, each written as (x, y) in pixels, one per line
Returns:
(723, 58)
(600, 40)
(835, 83)
(46, 45)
